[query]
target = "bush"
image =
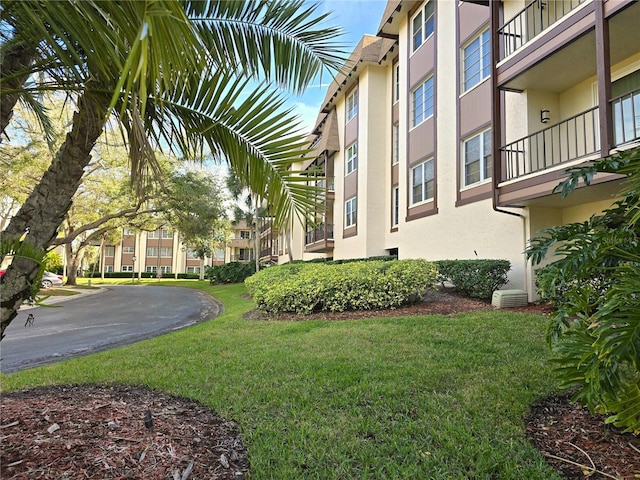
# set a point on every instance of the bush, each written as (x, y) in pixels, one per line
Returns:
(594, 281)
(233, 272)
(475, 278)
(367, 285)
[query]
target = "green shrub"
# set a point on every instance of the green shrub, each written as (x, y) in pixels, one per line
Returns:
(475, 278)
(233, 272)
(366, 285)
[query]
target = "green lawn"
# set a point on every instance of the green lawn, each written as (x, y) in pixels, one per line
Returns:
(425, 397)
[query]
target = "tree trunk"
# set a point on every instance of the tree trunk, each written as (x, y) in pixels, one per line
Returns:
(287, 237)
(45, 209)
(15, 62)
(73, 268)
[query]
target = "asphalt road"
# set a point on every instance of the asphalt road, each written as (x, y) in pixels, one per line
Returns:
(117, 315)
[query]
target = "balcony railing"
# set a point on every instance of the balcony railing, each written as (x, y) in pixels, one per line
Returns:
(626, 114)
(536, 17)
(323, 232)
(571, 139)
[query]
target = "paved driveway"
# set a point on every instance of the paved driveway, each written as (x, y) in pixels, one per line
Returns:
(117, 315)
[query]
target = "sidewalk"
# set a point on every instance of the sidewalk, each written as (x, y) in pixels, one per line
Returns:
(54, 299)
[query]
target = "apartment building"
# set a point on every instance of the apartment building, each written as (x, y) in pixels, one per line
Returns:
(446, 132)
(163, 251)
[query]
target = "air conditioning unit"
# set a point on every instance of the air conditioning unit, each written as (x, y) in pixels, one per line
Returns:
(509, 298)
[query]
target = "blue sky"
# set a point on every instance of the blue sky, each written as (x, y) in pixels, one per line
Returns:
(356, 17)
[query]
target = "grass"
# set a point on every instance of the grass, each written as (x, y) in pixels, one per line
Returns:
(429, 397)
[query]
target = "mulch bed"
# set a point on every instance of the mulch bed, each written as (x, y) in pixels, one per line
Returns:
(99, 432)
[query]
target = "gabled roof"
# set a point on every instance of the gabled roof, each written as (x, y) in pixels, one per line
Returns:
(370, 49)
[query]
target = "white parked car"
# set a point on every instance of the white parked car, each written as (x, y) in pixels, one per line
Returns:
(50, 279)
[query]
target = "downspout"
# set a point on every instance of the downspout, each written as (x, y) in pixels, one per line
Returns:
(496, 105)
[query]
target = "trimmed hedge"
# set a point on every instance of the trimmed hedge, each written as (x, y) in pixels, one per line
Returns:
(233, 272)
(366, 285)
(475, 278)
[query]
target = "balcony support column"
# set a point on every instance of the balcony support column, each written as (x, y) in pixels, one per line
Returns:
(603, 62)
(496, 100)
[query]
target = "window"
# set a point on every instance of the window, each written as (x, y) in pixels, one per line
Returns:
(193, 269)
(352, 104)
(109, 251)
(154, 235)
(422, 182)
(108, 268)
(128, 250)
(477, 158)
(218, 254)
(191, 253)
(396, 82)
(166, 252)
(476, 58)
(422, 25)
(395, 141)
(352, 157)
(350, 212)
(128, 231)
(165, 269)
(166, 233)
(151, 269)
(395, 218)
(127, 268)
(245, 235)
(422, 104)
(152, 251)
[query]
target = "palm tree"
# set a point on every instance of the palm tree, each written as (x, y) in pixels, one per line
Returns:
(177, 75)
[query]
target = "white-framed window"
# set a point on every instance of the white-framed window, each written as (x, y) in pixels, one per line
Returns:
(127, 268)
(128, 231)
(396, 83)
(128, 250)
(395, 216)
(422, 182)
(154, 235)
(218, 254)
(192, 254)
(193, 269)
(151, 269)
(395, 144)
(352, 157)
(245, 235)
(110, 251)
(165, 269)
(476, 153)
(166, 233)
(352, 104)
(152, 251)
(422, 25)
(108, 268)
(166, 252)
(476, 60)
(350, 212)
(422, 101)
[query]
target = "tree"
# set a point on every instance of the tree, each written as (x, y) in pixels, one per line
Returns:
(194, 205)
(595, 285)
(175, 74)
(248, 209)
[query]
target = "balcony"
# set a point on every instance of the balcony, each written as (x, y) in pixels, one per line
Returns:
(531, 21)
(571, 139)
(319, 239)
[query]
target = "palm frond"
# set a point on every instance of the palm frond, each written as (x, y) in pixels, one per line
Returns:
(279, 40)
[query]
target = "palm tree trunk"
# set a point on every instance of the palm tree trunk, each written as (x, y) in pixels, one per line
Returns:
(45, 209)
(15, 61)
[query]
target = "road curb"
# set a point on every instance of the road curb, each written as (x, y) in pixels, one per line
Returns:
(82, 292)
